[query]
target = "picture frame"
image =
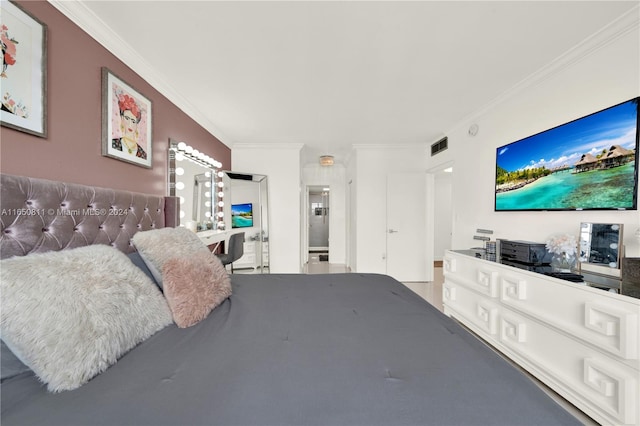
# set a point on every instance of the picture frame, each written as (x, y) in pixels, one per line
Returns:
(24, 70)
(126, 122)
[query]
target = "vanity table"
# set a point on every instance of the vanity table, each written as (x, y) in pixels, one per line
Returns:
(579, 340)
(213, 237)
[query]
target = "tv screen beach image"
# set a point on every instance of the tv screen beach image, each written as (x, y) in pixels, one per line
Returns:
(589, 163)
(241, 215)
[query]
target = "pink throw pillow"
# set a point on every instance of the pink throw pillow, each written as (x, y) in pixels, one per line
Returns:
(194, 286)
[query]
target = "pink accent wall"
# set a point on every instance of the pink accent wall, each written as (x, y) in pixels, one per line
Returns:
(72, 150)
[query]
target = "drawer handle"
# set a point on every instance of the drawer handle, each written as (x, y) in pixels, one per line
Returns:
(601, 321)
(449, 264)
(513, 331)
(598, 380)
(449, 293)
(514, 289)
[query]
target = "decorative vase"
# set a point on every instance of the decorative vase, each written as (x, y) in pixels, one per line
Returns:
(563, 262)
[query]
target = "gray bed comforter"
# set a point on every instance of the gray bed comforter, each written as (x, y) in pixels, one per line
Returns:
(340, 349)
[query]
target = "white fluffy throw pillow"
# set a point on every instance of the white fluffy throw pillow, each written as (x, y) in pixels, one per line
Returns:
(69, 315)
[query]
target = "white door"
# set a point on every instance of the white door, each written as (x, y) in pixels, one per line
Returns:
(409, 252)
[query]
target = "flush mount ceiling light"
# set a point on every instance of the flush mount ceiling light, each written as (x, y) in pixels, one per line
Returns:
(326, 160)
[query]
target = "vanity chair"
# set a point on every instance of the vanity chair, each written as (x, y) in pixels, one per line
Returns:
(235, 250)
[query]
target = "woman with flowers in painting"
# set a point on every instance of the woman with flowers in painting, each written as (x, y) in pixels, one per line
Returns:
(9, 53)
(130, 116)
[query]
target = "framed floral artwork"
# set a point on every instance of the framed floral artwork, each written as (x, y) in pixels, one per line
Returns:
(126, 122)
(24, 70)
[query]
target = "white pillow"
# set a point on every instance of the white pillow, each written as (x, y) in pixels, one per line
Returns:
(159, 245)
(69, 315)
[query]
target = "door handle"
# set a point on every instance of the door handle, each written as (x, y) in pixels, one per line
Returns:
(392, 231)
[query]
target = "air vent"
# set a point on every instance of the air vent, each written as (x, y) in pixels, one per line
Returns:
(439, 146)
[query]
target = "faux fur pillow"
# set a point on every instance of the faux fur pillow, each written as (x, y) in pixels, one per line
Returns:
(159, 245)
(69, 315)
(193, 286)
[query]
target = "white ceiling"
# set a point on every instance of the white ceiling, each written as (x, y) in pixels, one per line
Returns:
(330, 74)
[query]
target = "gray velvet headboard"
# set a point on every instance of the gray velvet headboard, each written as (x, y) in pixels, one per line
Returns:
(38, 215)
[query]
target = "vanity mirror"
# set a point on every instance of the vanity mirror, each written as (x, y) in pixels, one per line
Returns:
(194, 177)
(601, 248)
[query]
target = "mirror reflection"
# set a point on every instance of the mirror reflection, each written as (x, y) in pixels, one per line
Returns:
(246, 210)
(600, 245)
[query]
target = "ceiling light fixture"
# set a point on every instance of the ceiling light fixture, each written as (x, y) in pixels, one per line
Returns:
(326, 160)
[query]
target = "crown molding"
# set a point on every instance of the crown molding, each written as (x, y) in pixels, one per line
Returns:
(276, 145)
(91, 24)
(623, 25)
(373, 146)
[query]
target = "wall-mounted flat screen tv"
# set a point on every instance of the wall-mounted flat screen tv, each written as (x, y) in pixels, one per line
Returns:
(587, 164)
(242, 215)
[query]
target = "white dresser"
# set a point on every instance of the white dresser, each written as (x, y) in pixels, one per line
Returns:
(581, 341)
(250, 256)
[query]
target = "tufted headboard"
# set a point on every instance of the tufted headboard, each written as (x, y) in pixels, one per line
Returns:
(38, 215)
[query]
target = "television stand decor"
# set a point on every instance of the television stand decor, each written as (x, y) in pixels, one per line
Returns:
(581, 341)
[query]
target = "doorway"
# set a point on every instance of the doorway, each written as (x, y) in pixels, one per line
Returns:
(318, 223)
(443, 209)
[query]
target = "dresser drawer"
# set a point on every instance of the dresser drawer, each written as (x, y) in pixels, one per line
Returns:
(588, 314)
(480, 314)
(473, 275)
(576, 370)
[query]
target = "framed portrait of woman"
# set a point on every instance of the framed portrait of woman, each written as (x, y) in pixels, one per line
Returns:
(23, 79)
(126, 122)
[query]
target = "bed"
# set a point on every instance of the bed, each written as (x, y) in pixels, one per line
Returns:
(282, 349)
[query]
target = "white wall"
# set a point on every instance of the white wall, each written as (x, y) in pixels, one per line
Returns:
(605, 72)
(281, 164)
(334, 177)
(370, 167)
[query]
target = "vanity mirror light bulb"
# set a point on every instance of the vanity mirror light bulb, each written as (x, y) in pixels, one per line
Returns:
(179, 171)
(179, 157)
(195, 153)
(220, 174)
(188, 149)
(182, 214)
(207, 203)
(220, 203)
(207, 174)
(207, 214)
(181, 200)
(180, 185)
(207, 194)
(221, 194)
(207, 184)
(201, 155)
(182, 146)
(220, 214)
(220, 184)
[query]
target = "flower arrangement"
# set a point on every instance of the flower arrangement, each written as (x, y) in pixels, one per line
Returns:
(563, 244)
(564, 248)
